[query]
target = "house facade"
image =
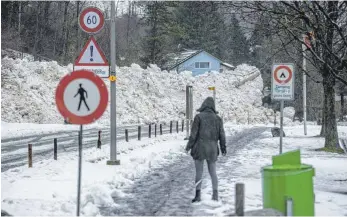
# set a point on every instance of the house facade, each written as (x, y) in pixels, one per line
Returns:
(198, 62)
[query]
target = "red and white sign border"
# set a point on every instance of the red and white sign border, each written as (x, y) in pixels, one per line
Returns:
(59, 97)
(91, 39)
(290, 81)
(275, 76)
(97, 28)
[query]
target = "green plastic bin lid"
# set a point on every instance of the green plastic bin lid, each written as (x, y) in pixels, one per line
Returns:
(287, 161)
(286, 167)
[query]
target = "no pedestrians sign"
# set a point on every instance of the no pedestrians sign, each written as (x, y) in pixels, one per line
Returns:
(81, 97)
(282, 81)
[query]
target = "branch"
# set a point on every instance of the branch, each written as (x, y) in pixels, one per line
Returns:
(331, 21)
(332, 70)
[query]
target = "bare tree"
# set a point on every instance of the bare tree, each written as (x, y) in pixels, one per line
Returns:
(327, 21)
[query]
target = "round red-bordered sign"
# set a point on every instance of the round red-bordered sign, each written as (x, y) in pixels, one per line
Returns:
(290, 73)
(91, 20)
(64, 96)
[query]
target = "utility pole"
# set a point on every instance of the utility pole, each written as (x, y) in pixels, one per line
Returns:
(113, 133)
(189, 108)
(304, 82)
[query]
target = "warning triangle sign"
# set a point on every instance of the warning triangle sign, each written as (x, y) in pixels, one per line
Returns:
(91, 55)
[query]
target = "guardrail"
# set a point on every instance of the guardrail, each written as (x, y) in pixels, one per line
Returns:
(99, 135)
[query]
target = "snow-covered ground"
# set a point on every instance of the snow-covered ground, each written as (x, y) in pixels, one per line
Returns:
(143, 95)
(156, 177)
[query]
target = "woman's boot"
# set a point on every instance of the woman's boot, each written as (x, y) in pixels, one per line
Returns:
(215, 195)
(197, 197)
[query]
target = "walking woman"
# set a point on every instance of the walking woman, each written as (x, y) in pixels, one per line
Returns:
(206, 131)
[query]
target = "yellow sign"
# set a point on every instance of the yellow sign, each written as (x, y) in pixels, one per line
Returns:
(112, 78)
(211, 88)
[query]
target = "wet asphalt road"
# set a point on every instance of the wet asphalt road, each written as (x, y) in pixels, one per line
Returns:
(14, 151)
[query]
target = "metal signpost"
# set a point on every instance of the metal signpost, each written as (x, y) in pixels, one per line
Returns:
(214, 95)
(307, 41)
(113, 119)
(282, 88)
(189, 108)
(81, 98)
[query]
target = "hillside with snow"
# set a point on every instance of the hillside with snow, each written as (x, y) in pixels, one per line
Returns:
(143, 95)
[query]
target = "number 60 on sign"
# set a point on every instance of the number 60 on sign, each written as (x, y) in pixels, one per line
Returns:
(91, 20)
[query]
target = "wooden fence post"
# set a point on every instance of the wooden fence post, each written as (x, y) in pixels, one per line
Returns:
(126, 135)
(239, 199)
(99, 140)
(30, 155)
(161, 129)
(182, 125)
(139, 133)
(55, 149)
(155, 130)
(177, 126)
(170, 126)
(149, 131)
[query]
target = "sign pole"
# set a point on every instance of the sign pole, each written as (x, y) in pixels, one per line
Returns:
(113, 120)
(191, 106)
(214, 98)
(281, 132)
(79, 169)
(304, 87)
(187, 112)
(214, 94)
(282, 85)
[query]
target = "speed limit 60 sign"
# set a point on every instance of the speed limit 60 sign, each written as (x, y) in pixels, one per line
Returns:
(91, 20)
(283, 81)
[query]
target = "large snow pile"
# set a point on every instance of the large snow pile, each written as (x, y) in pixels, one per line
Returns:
(143, 95)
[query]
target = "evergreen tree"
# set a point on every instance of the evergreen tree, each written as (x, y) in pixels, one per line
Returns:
(238, 47)
(202, 25)
(159, 21)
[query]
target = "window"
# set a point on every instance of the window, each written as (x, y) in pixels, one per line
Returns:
(202, 65)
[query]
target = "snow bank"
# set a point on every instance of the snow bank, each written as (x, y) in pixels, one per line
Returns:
(143, 95)
(49, 187)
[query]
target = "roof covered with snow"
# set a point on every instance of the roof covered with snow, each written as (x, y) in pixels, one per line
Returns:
(176, 59)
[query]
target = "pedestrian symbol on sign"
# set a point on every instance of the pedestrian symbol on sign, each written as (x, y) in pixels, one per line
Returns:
(282, 75)
(81, 92)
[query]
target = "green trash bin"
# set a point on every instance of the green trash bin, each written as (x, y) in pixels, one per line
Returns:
(288, 179)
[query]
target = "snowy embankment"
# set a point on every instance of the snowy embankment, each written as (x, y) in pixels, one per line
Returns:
(49, 188)
(143, 95)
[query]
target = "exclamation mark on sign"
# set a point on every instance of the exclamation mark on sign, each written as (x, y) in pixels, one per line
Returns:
(91, 53)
